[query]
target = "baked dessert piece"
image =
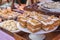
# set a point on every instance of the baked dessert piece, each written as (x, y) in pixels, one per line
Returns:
(32, 13)
(8, 13)
(13, 15)
(26, 13)
(22, 20)
(36, 15)
(50, 23)
(47, 21)
(10, 25)
(33, 25)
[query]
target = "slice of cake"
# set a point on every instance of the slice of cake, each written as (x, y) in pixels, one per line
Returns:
(33, 25)
(22, 21)
(50, 23)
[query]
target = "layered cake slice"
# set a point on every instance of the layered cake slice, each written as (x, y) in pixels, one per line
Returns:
(50, 23)
(33, 25)
(22, 21)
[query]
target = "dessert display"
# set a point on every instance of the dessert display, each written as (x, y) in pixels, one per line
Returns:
(35, 21)
(46, 20)
(8, 13)
(36, 18)
(9, 25)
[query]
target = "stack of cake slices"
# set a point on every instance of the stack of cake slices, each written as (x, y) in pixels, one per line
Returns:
(35, 21)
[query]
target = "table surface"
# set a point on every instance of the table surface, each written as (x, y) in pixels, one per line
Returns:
(49, 36)
(22, 35)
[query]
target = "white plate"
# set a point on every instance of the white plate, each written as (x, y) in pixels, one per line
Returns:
(52, 10)
(18, 25)
(45, 0)
(39, 32)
